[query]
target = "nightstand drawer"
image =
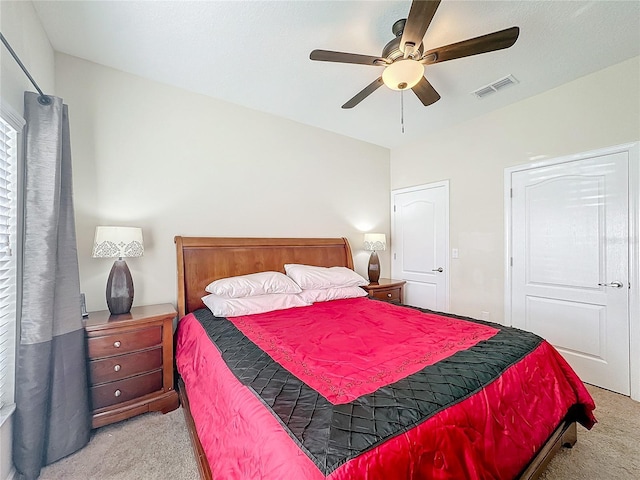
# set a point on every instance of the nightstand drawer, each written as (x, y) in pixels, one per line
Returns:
(122, 366)
(126, 342)
(390, 294)
(117, 392)
(386, 289)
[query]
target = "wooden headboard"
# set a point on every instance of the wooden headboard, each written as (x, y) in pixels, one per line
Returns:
(201, 260)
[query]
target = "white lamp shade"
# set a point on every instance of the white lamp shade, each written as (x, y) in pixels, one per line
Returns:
(375, 241)
(403, 74)
(111, 242)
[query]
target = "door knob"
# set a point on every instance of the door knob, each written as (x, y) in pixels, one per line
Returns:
(440, 269)
(615, 284)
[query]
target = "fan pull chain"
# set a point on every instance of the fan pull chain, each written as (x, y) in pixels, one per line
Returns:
(402, 109)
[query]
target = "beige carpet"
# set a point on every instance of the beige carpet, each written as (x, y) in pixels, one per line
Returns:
(148, 447)
(610, 450)
(156, 446)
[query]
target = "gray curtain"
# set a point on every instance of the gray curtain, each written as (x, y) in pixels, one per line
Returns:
(52, 418)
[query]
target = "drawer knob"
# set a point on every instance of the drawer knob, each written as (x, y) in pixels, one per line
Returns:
(117, 393)
(389, 295)
(117, 344)
(116, 368)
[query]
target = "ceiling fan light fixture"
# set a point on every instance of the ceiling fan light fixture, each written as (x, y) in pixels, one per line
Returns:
(403, 74)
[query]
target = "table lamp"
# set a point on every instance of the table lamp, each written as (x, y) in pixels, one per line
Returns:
(118, 242)
(374, 242)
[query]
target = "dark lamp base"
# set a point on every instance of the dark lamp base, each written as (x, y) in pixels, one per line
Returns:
(119, 288)
(374, 268)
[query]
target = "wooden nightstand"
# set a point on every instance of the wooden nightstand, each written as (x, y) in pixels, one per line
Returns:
(387, 289)
(130, 362)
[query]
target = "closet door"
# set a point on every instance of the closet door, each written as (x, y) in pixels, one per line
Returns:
(570, 273)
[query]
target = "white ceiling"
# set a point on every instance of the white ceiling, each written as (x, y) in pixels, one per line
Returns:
(256, 53)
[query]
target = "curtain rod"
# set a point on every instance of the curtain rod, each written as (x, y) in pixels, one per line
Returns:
(42, 99)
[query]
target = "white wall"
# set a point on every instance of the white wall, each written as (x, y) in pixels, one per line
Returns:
(595, 111)
(21, 27)
(177, 163)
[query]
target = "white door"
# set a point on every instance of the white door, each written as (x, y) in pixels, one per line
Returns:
(570, 278)
(420, 242)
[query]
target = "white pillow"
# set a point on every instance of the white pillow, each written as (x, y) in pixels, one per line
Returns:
(310, 277)
(261, 283)
(336, 293)
(232, 307)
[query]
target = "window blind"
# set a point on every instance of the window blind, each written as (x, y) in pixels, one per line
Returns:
(8, 230)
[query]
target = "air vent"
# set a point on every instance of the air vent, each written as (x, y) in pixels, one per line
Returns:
(495, 86)
(483, 92)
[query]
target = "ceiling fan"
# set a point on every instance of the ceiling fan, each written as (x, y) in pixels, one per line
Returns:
(404, 58)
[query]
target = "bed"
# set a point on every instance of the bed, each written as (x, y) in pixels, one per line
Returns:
(513, 407)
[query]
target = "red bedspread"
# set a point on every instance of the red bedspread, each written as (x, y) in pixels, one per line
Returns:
(355, 346)
(490, 434)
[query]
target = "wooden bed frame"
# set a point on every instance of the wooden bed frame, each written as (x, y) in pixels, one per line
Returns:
(202, 260)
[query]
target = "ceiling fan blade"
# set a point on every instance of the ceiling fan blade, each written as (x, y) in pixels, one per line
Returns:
(425, 92)
(483, 44)
(342, 57)
(420, 16)
(364, 93)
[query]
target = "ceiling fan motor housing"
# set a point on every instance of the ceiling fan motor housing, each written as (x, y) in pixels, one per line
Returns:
(392, 49)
